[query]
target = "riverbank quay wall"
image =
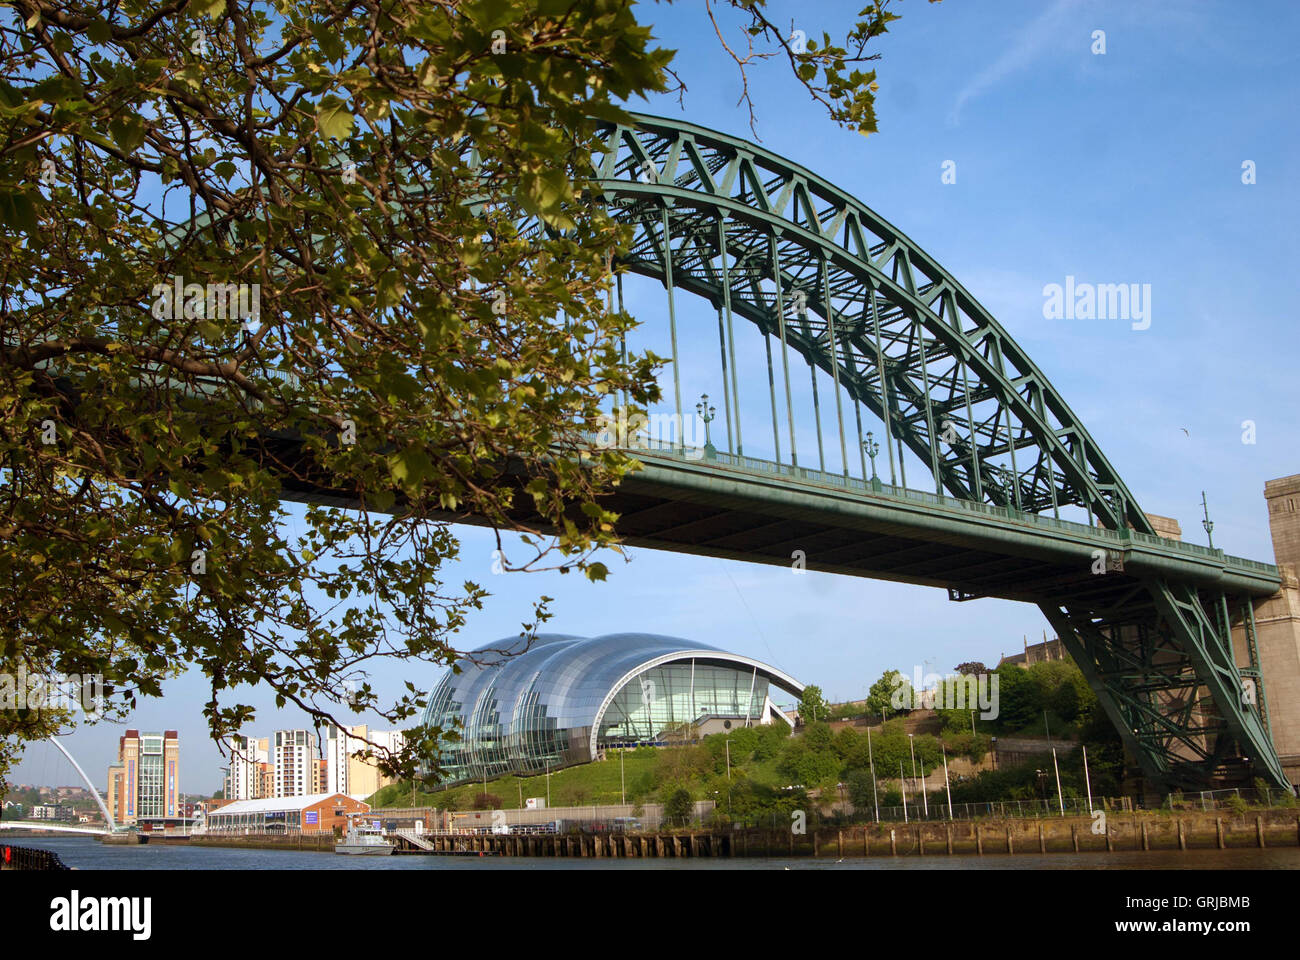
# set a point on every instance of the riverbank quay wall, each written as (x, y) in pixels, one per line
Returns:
(1118, 832)
(318, 842)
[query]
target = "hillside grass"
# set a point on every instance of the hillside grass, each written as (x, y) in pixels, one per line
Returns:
(596, 782)
(584, 785)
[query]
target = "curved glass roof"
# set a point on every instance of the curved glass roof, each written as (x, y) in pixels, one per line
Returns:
(517, 702)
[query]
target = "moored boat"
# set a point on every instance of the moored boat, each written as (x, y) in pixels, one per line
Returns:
(364, 841)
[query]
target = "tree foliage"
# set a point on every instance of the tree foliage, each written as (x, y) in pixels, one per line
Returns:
(678, 807)
(880, 696)
(812, 705)
(253, 251)
(319, 155)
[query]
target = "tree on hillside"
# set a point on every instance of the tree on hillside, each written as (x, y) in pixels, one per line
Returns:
(813, 705)
(1019, 702)
(253, 250)
(863, 790)
(806, 764)
(880, 697)
(678, 807)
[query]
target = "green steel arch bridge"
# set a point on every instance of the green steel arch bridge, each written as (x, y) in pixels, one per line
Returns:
(1010, 497)
(830, 285)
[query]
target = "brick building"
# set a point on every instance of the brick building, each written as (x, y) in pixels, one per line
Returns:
(312, 813)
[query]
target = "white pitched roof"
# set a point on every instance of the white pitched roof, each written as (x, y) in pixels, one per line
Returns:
(273, 804)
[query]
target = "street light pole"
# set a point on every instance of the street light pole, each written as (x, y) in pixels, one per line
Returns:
(1086, 780)
(622, 780)
(872, 761)
(707, 414)
(946, 785)
(871, 448)
(1059, 795)
(902, 785)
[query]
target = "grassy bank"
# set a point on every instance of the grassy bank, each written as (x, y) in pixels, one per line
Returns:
(590, 783)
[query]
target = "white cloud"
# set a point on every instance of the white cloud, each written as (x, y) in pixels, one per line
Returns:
(1029, 45)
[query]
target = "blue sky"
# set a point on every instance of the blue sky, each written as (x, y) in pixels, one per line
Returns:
(1117, 168)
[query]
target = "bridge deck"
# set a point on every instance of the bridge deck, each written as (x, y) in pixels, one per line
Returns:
(746, 509)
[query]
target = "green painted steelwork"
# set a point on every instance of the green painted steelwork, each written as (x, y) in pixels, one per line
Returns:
(910, 343)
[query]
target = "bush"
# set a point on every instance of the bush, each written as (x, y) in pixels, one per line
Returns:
(678, 807)
(771, 738)
(486, 801)
(802, 763)
(862, 792)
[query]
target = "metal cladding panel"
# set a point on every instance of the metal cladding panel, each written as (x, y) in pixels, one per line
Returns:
(527, 707)
(571, 674)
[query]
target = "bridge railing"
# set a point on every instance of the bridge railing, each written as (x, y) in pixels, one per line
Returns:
(26, 858)
(858, 485)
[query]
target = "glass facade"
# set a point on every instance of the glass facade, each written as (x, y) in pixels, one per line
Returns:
(526, 708)
(152, 800)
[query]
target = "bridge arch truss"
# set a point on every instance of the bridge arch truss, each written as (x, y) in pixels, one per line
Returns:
(825, 279)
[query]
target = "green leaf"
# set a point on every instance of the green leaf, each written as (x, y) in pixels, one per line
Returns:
(210, 8)
(127, 131)
(99, 31)
(18, 212)
(391, 289)
(411, 466)
(332, 118)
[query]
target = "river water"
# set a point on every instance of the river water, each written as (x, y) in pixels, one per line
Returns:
(86, 853)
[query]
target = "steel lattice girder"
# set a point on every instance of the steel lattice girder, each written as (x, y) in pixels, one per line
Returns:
(906, 340)
(945, 358)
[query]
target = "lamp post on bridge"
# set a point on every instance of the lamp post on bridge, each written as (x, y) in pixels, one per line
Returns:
(707, 414)
(1009, 479)
(871, 448)
(1207, 523)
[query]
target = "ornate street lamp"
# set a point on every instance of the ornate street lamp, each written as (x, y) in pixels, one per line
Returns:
(1207, 523)
(707, 414)
(1009, 480)
(871, 448)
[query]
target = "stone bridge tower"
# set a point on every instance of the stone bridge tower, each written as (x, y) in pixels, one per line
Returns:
(1277, 626)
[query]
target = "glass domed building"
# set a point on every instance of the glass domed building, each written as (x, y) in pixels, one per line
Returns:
(524, 708)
